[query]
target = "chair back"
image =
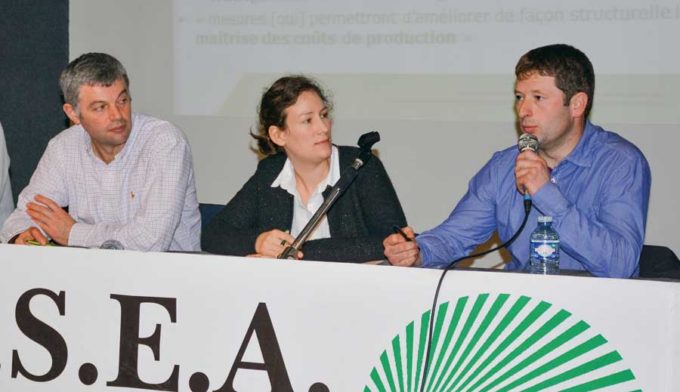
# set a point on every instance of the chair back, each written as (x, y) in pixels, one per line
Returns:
(208, 211)
(659, 262)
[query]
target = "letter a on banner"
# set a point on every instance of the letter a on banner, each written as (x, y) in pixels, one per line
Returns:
(271, 354)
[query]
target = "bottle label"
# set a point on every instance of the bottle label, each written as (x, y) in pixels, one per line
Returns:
(545, 250)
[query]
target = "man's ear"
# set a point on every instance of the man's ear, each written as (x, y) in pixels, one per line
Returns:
(578, 103)
(277, 135)
(71, 113)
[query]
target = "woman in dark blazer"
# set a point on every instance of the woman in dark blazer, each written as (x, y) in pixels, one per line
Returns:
(301, 165)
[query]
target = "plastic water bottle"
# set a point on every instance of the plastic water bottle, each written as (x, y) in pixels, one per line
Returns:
(544, 248)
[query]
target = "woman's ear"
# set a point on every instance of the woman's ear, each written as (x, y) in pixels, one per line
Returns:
(277, 135)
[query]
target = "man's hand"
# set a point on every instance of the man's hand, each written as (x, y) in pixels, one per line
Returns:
(31, 234)
(51, 218)
(531, 172)
(401, 252)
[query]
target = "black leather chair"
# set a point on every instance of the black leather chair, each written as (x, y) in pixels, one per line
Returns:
(659, 262)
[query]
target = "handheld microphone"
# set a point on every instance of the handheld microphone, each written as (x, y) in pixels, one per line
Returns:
(527, 142)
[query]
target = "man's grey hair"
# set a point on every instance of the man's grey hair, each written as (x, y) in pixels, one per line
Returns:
(90, 69)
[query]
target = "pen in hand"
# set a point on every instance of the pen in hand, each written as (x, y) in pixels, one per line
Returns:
(398, 230)
(36, 243)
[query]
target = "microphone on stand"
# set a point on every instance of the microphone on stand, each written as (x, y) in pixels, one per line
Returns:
(527, 142)
(366, 142)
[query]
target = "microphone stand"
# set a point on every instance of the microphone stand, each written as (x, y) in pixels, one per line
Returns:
(366, 142)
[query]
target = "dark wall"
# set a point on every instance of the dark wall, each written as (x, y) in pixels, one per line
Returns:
(33, 51)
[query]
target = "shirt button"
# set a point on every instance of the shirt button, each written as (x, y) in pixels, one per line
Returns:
(553, 180)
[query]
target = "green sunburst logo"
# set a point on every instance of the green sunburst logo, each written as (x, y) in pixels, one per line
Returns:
(501, 343)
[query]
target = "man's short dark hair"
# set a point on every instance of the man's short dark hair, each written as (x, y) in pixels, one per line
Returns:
(570, 67)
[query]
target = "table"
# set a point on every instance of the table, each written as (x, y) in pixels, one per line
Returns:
(89, 319)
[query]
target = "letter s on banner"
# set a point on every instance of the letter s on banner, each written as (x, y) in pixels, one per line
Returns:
(42, 334)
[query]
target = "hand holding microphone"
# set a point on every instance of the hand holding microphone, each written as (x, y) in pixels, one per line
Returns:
(531, 171)
(524, 143)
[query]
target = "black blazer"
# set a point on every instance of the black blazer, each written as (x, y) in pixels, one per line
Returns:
(359, 220)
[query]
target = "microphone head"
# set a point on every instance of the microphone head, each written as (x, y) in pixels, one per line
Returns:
(367, 140)
(111, 244)
(527, 141)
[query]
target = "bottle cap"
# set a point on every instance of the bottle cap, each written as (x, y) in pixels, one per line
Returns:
(544, 219)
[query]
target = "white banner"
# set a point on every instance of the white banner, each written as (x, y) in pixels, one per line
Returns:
(94, 320)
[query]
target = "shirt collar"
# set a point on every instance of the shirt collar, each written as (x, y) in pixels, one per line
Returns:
(582, 154)
(286, 178)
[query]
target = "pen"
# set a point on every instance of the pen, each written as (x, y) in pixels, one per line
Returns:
(34, 242)
(398, 230)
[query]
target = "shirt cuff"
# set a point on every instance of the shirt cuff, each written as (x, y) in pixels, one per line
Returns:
(550, 201)
(426, 255)
(9, 238)
(79, 234)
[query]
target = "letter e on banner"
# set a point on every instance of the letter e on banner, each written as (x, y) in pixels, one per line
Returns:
(128, 373)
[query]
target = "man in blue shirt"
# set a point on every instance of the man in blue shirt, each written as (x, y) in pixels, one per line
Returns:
(594, 183)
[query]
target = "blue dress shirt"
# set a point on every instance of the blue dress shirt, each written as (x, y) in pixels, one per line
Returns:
(598, 198)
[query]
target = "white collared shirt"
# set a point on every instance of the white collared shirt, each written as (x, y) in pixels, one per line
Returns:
(303, 213)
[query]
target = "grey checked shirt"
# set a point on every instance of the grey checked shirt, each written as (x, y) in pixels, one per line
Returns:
(145, 198)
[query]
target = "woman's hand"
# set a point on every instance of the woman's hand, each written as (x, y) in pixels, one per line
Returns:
(272, 243)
